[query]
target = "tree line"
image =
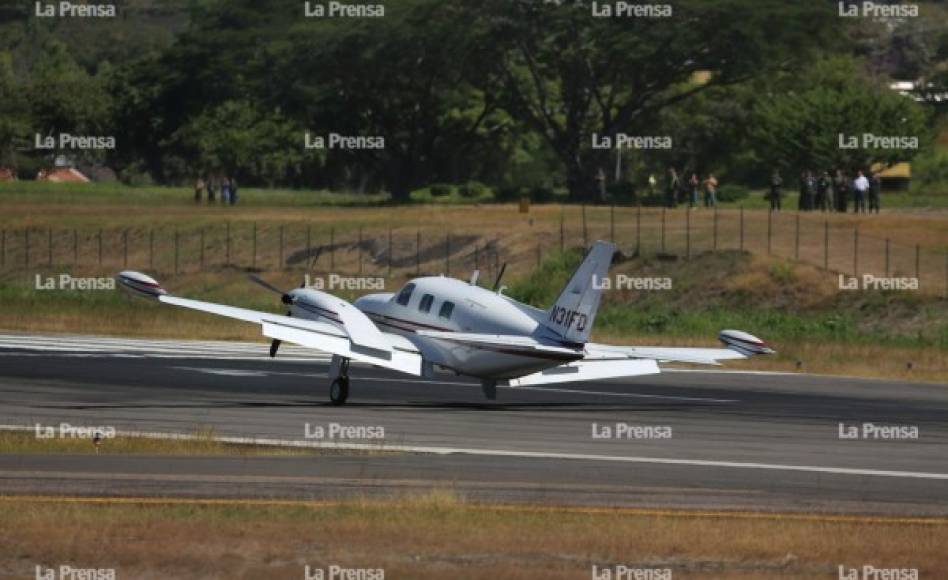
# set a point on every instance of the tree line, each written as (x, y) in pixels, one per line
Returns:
(511, 93)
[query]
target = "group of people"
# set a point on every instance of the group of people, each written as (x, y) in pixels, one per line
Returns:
(831, 193)
(677, 191)
(209, 188)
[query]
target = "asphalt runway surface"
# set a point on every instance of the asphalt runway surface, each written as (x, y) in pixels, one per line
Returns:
(683, 439)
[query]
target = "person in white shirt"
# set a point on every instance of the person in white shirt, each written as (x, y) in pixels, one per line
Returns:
(860, 189)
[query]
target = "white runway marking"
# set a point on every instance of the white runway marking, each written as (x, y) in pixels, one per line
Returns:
(434, 450)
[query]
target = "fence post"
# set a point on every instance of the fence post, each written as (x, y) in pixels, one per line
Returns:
(391, 252)
(918, 262)
(176, 239)
(539, 255)
(418, 252)
(309, 245)
(75, 247)
(612, 223)
(562, 232)
(151, 249)
(332, 249)
(253, 262)
(585, 232)
(280, 265)
(447, 254)
(227, 244)
(687, 234)
(770, 229)
(360, 250)
(49, 248)
(797, 242)
(202, 249)
(3, 248)
(663, 230)
(714, 243)
(638, 231)
(946, 275)
(742, 228)
(855, 251)
(887, 257)
(100, 247)
(125, 249)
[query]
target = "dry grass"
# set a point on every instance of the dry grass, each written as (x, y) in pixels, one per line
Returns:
(438, 535)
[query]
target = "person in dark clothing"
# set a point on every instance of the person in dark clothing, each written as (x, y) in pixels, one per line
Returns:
(776, 192)
(841, 191)
(823, 195)
(233, 191)
(693, 184)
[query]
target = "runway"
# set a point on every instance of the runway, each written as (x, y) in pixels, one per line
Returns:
(695, 439)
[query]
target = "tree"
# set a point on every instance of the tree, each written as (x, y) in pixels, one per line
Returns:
(569, 74)
(809, 121)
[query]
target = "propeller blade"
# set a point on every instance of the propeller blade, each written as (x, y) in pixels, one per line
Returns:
(265, 284)
(500, 276)
(274, 346)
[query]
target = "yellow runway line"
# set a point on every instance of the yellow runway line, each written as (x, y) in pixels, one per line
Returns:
(620, 511)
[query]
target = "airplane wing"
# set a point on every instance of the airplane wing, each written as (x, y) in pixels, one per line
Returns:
(355, 338)
(738, 345)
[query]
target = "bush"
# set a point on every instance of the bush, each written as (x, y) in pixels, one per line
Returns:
(732, 192)
(473, 189)
(441, 189)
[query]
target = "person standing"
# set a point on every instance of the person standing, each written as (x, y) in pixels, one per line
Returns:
(233, 191)
(199, 190)
(823, 192)
(211, 190)
(841, 191)
(225, 191)
(710, 191)
(693, 184)
(860, 192)
(776, 192)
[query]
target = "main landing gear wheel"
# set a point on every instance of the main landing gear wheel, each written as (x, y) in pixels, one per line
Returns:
(339, 391)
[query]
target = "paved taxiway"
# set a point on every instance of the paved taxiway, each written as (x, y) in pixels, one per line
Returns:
(761, 441)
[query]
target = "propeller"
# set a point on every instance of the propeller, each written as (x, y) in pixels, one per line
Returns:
(500, 276)
(284, 297)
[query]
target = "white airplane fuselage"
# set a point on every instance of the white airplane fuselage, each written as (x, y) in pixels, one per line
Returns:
(443, 304)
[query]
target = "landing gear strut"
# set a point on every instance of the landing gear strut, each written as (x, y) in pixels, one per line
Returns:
(339, 387)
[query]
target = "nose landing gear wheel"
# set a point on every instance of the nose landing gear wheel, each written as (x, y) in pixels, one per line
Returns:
(339, 391)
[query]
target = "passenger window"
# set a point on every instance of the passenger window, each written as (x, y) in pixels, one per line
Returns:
(446, 309)
(425, 304)
(404, 297)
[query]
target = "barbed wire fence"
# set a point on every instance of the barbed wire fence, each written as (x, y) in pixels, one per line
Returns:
(673, 234)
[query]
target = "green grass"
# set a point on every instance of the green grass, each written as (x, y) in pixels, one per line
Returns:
(117, 193)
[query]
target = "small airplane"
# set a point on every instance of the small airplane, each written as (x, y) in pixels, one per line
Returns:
(446, 323)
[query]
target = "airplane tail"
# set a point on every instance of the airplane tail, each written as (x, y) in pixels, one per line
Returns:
(571, 317)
